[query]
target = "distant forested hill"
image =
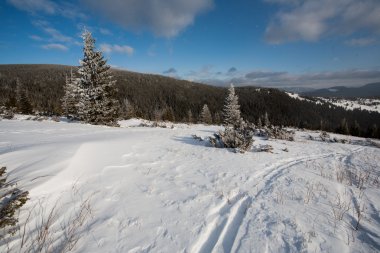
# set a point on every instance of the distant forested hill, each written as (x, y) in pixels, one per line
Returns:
(152, 95)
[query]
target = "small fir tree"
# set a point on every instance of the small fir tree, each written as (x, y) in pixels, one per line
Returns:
(206, 115)
(98, 104)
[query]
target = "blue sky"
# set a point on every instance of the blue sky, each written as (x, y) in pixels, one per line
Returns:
(309, 43)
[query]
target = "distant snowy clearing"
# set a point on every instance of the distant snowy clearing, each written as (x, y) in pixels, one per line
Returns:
(368, 104)
(159, 190)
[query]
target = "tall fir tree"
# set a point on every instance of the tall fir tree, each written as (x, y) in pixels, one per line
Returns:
(98, 104)
(206, 115)
(231, 110)
(70, 100)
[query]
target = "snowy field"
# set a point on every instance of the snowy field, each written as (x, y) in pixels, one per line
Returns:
(372, 105)
(368, 104)
(159, 190)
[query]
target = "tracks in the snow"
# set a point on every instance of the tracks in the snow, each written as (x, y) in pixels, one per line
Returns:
(220, 233)
(223, 222)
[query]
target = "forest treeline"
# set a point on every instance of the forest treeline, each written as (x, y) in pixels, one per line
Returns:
(159, 97)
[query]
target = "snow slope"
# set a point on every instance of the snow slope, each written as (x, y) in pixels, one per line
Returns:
(159, 190)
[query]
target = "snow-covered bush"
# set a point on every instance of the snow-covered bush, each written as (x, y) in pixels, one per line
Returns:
(275, 132)
(324, 136)
(6, 113)
(240, 139)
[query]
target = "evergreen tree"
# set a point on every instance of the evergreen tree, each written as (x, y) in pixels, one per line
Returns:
(206, 115)
(343, 129)
(190, 116)
(266, 120)
(70, 100)
(231, 110)
(217, 119)
(97, 89)
(168, 114)
(128, 108)
(23, 104)
(259, 123)
(236, 134)
(355, 129)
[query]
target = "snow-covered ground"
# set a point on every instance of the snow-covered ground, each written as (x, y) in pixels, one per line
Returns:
(372, 105)
(359, 103)
(159, 190)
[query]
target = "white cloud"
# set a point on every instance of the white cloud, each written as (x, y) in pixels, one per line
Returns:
(55, 46)
(361, 42)
(311, 20)
(122, 49)
(164, 18)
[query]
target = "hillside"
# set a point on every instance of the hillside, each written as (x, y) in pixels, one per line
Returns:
(371, 90)
(172, 99)
(158, 190)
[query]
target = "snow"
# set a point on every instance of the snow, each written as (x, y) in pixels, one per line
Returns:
(372, 105)
(159, 190)
(295, 96)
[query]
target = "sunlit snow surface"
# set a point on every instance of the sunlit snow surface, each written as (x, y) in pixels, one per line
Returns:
(159, 190)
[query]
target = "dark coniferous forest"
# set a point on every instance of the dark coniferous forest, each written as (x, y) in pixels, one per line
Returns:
(158, 97)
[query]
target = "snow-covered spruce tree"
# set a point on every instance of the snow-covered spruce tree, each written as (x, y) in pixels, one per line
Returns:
(97, 104)
(206, 115)
(231, 110)
(71, 98)
(237, 134)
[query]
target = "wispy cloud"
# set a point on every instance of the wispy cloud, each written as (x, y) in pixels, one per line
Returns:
(312, 20)
(122, 49)
(55, 46)
(350, 77)
(163, 18)
(34, 6)
(48, 7)
(232, 71)
(53, 35)
(361, 42)
(263, 74)
(170, 71)
(105, 31)
(36, 37)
